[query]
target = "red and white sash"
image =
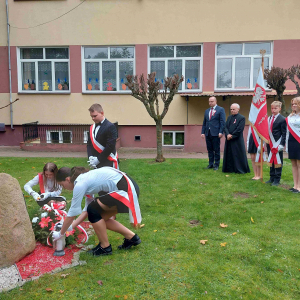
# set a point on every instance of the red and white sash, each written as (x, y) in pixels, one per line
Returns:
(41, 183)
(274, 156)
(130, 199)
(256, 139)
(292, 129)
(99, 148)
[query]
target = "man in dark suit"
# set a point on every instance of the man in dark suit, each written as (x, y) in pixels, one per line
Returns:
(235, 158)
(277, 130)
(212, 131)
(101, 144)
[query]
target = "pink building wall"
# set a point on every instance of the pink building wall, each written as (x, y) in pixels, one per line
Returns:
(4, 81)
(11, 137)
(208, 66)
(75, 69)
(141, 58)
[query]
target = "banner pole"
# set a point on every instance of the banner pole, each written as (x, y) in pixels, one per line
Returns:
(262, 52)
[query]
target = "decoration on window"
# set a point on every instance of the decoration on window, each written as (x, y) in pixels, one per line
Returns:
(45, 86)
(189, 85)
(32, 86)
(97, 87)
(26, 85)
(89, 86)
(59, 84)
(65, 84)
(109, 86)
(123, 84)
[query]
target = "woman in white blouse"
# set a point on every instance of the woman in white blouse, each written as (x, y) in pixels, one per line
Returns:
(293, 142)
(49, 189)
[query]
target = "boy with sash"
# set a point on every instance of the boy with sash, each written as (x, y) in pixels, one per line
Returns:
(277, 132)
(102, 137)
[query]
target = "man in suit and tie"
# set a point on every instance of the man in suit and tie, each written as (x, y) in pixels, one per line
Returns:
(101, 144)
(277, 132)
(212, 131)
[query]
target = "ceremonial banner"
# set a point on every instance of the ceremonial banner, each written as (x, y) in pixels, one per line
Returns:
(258, 115)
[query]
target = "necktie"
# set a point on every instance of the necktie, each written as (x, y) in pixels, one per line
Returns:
(210, 113)
(271, 126)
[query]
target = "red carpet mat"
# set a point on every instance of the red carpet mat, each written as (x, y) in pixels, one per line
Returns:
(41, 260)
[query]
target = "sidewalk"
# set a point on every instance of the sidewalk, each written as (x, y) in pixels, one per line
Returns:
(128, 153)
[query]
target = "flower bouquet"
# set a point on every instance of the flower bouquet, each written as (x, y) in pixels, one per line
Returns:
(43, 224)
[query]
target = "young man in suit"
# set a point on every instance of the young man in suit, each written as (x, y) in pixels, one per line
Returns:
(277, 132)
(212, 131)
(101, 145)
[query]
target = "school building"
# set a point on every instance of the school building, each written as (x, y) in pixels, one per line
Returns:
(66, 55)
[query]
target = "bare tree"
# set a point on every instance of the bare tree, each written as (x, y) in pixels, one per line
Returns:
(276, 79)
(292, 72)
(147, 92)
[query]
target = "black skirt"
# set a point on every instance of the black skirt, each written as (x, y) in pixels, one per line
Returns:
(293, 148)
(108, 200)
(251, 147)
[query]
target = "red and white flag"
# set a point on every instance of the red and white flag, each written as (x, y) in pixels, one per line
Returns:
(258, 116)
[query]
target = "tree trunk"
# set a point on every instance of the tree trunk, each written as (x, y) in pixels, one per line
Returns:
(284, 112)
(159, 157)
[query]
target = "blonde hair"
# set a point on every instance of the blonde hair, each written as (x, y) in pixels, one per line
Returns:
(276, 103)
(297, 99)
(96, 107)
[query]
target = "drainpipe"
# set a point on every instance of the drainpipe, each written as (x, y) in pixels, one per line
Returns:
(187, 109)
(9, 68)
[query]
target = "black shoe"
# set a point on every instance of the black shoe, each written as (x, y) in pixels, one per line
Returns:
(134, 241)
(103, 251)
(291, 189)
(216, 168)
(209, 167)
(269, 181)
(296, 191)
(93, 249)
(275, 184)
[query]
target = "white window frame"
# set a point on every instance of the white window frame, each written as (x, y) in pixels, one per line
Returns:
(233, 57)
(85, 136)
(173, 137)
(60, 137)
(100, 60)
(53, 61)
(184, 59)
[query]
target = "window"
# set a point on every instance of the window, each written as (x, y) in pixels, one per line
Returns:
(105, 68)
(43, 70)
(237, 65)
(85, 136)
(185, 60)
(59, 137)
(173, 138)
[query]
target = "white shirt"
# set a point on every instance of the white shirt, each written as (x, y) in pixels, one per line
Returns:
(104, 179)
(48, 186)
(98, 127)
(295, 120)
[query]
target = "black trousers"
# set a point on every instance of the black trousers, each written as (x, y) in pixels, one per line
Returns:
(213, 148)
(275, 173)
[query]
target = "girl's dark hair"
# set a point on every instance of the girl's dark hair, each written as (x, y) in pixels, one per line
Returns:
(73, 173)
(51, 167)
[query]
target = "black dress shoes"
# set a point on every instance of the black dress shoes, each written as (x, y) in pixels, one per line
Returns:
(275, 184)
(269, 181)
(216, 168)
(209, 167)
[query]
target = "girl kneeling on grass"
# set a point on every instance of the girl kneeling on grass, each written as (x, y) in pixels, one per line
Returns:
(49, 188)
(118, 193)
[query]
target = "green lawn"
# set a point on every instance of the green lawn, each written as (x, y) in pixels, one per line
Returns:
(260, 261)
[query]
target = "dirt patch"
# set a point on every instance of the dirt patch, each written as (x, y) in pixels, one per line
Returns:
(285, 186)
(194, 222)
(241, 195)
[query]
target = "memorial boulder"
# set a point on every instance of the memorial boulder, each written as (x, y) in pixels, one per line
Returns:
(16, 234)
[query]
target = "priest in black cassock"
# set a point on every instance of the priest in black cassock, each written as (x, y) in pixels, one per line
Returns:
(235, 158)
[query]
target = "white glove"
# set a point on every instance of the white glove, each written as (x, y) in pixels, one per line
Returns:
(280, 148)
(56, 235)
(258, 149)
(44, 196)
(93, 161)
(35, 195)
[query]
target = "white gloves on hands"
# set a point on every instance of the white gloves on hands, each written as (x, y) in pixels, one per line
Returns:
(280, 148)
(56, 235)
(35, 195)
(93, 161)
(44, 196)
